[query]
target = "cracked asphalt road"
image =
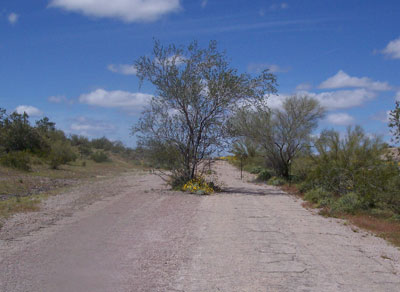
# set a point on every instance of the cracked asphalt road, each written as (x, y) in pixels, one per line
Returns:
(249, 238)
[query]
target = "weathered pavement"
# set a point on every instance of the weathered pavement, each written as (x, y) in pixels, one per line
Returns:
(250, 238)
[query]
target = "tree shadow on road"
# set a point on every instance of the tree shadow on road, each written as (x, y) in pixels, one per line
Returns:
(252, 192)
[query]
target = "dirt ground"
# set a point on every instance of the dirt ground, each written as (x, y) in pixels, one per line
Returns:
(131, 233)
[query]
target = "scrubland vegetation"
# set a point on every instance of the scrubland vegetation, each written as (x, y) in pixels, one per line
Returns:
(37, 159)
(354, 176)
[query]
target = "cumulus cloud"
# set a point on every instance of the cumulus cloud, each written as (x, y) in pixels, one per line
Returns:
(126, 10)
(392, 50)
(340, 119)
(30, 110)
(342, 98)
(123, 69)
(13, 18)
(330, 100)
(275, 101)
(343, 80)
(259, 67)
(91, 127)
(116, 99)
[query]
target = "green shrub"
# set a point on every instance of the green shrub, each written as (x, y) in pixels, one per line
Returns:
(318, 196)
(396, 218)
(177, 182)
(276, 181)
(99, 157)
(16, 134)
(18, 159)
(304, 186)
(348, 203)
(85, 150)
(256, 169)
(61, 153)
(264, 175)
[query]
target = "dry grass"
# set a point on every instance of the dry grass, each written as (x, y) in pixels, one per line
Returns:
(15, 205)
(382, 227)
(22, 191)
(293, 190)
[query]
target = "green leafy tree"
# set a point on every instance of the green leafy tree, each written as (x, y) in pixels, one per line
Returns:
(196, 93)
(281, 133)
(18, 135)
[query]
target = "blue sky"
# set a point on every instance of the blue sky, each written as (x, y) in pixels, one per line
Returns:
(71, 60)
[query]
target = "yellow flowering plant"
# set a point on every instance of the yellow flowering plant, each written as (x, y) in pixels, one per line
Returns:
(198, 185)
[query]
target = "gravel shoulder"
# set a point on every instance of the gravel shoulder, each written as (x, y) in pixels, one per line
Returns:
(132, 234)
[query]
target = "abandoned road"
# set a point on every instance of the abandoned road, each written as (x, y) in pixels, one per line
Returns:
(144, 237)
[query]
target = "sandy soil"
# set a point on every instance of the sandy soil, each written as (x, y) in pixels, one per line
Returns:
(132, 234)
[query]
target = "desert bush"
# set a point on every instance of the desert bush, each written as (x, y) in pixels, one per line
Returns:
(18, 159)
(85, 150)
(276, 181)
(318, 196)
(61, 153)
(99, 157)
(18, 135)
(255, 169)
(348, 203)
(264, 175)
(102, 143)
(355, 164)
(304, 186)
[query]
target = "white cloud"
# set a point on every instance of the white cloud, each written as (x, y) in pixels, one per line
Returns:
(398, 95)
(90, 127)
(259, 67)
(59, 99)
(392, 50)
(330, 100)
(343, 80)
(13, 18)
(279, 6)
(116, 99)
(123, 69)
(342, 98)
(382, 116)
(126, 10)
(30, 110)
(275, 101)
(303, 86)
(341, 119)
(204, 3)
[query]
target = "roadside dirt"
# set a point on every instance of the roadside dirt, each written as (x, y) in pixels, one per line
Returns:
(132, 234)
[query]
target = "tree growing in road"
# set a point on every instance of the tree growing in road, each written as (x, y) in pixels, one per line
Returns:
(196, 92)
(281, 133)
